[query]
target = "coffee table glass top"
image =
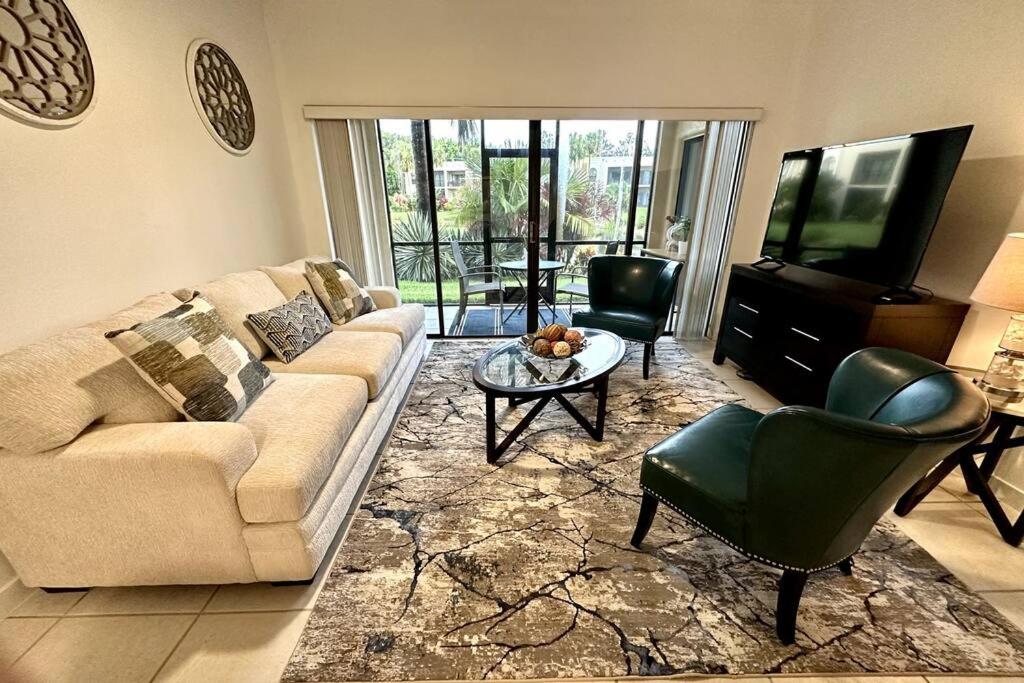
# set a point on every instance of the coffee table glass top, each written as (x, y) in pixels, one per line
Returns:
(509, 368)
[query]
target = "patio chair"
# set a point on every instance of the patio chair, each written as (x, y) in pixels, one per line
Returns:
(574, 288)
(483, 279)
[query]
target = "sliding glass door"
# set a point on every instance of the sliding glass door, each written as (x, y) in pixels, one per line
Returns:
(493, 222)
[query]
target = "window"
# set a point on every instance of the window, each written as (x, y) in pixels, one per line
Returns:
(481, 177)
(875, 168)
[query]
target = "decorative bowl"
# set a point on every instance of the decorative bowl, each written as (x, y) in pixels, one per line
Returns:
(526, 342)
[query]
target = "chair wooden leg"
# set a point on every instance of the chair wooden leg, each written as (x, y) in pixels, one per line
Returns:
(791, 587)
(647, 360)
(648, 506)
(846, 566)
(654, 349)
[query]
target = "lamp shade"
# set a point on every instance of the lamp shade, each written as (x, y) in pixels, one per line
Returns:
(1002, 285)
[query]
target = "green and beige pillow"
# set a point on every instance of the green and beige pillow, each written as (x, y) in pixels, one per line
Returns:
(335, 285)
(191, 357)
(291, 329)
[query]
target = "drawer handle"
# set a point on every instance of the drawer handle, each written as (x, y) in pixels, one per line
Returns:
(809, 336)
(794, 361)
(743, 332)
(752, 310)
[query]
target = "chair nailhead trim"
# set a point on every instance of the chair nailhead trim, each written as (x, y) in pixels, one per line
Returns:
(735, 547)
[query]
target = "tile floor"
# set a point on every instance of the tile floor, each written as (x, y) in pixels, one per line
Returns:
(247, 632)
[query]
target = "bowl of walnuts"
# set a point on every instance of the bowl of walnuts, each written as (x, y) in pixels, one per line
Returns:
(554, 342)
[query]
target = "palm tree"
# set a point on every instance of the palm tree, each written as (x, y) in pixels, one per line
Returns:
(585, 207)
(419, 158)
(467, 130)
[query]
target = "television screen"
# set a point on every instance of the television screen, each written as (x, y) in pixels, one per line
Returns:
(864, 210)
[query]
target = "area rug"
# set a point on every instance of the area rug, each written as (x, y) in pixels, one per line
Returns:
(456, 569)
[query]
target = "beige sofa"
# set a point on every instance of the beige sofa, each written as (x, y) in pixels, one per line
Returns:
(103, 484)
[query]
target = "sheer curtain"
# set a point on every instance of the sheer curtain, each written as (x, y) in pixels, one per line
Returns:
(725, 155)
(372, 201)
(355, 198)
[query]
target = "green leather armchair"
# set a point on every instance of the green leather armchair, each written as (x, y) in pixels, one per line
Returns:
(800, 488)
(630, 296)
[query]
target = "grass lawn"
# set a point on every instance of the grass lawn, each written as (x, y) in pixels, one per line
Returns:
(425, 293)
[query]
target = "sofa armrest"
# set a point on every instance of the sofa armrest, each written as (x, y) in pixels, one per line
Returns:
(133, 504)
(385, 297)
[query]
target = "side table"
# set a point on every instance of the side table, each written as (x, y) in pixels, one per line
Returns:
(1006, 418)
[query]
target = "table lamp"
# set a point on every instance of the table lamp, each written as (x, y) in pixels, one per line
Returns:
(1002, 286)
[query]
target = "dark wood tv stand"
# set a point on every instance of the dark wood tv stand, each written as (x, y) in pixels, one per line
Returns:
(789, 329)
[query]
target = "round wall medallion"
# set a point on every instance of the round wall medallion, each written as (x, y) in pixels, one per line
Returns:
(221, 98)
(46, 75)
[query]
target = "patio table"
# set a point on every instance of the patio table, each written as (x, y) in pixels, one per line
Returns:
(548, 270)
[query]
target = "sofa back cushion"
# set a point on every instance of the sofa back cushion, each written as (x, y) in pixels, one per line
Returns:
(237, 295)
(291, 277)
(52, 390)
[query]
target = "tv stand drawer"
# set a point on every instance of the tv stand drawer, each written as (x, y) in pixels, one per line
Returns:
(790, 336)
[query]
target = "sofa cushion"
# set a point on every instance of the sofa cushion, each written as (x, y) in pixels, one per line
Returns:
(237, 295)
(291, 277)
(190, 356)
(335, 285)
(300, 426)
(631, 323)
(385, 297)
(405, 321)
(52, 390)
(371, 356)
(293, 328)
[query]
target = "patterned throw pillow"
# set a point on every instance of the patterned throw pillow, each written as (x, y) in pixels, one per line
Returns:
(292, 328)
(338, 291)
(191, 357)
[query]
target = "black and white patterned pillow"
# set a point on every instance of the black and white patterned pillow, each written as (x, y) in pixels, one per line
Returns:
(290, 329)
(335, 285)
(191, 357)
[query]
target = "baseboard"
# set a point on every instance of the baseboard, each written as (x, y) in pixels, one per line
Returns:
(12, 594)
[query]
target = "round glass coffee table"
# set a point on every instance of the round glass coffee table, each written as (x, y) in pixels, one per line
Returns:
(510, 371)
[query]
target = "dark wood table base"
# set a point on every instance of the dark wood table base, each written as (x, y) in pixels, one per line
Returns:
(977, 478)
(595, 430)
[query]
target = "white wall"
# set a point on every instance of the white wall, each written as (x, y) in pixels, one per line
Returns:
(824, 72)
(138, 197)
(877, 68)
(534, 53)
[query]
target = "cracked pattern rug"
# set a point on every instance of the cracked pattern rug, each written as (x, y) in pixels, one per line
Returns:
(456, 569)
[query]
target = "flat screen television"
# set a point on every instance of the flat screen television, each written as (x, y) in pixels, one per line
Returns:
(864, 210)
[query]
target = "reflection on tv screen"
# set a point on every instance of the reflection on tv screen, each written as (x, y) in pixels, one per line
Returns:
(851, 201)
(863, 210)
